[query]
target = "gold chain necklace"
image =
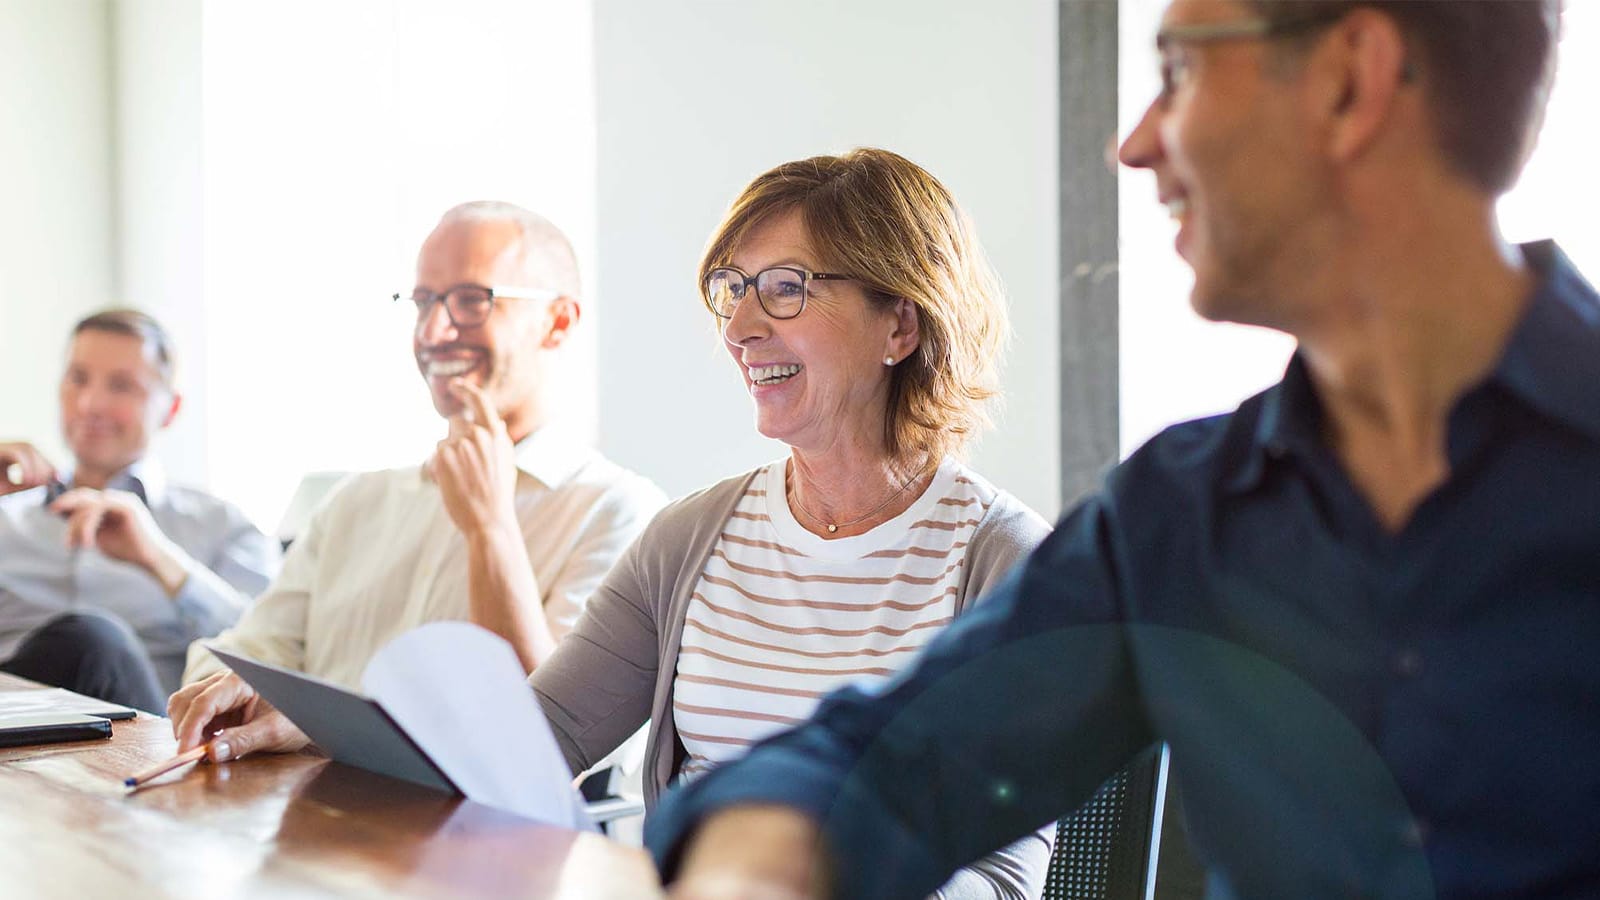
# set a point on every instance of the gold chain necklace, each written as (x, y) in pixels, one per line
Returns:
(833, 527)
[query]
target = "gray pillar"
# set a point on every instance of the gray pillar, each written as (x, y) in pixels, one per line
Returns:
(1088, 276)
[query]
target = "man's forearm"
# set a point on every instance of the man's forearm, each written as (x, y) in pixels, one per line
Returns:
(165, 568)
(504, 595)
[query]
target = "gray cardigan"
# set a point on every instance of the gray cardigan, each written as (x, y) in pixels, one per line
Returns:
(615, 669)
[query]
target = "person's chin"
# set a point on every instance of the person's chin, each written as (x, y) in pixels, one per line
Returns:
(445, 404)
(770, 429)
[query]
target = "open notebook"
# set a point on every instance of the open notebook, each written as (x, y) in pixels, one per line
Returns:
(446, 706)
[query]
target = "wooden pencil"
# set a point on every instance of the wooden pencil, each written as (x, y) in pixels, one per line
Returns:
(156, 771)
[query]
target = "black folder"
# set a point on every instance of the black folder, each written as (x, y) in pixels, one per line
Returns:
(51, 728)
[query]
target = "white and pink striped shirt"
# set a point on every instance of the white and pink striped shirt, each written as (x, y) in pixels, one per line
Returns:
(781, 617)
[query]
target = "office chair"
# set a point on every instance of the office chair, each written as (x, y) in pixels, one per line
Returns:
(1103, 850)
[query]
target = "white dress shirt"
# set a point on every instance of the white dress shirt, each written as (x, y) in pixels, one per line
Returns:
(227, 559)
(381, 556)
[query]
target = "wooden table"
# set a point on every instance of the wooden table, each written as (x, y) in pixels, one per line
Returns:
(295, 825)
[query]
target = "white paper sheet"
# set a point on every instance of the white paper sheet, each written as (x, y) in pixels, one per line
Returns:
(459, 691)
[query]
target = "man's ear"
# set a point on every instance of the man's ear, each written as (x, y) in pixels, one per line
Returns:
(1370, 68)
(564, 314)
(172, 410)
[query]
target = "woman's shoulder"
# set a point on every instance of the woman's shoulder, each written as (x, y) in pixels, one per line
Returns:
(721, 493)
(1005, 518)
(697, 515)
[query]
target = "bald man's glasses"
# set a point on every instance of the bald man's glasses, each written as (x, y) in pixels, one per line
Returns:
(469, 305)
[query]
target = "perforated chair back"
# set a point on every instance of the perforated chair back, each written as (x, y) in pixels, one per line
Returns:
(1102, 850)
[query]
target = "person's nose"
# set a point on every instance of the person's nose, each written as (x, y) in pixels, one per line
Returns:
(90, 398)
(749, 321)
(1141, 149)
(434, 326)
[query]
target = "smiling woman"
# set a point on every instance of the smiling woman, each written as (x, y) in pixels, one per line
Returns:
(864, 322)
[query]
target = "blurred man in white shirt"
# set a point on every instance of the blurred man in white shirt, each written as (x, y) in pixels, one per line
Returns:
(107, 572)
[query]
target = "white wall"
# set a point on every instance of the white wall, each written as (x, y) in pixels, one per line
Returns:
(56, 261)
(689, 94)
(335, 133)
(160, 226)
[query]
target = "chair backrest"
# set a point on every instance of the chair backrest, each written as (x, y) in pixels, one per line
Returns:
(1104, 850)
(308, 495)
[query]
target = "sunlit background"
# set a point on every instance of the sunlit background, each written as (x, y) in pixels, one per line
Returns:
(259, 176)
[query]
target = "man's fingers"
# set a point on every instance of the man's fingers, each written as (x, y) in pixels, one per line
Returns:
(74, 500)
(446, 461)
(477, 401)
(82, 525)
(23, 466)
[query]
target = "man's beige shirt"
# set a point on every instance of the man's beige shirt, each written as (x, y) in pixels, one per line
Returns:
(381, 557)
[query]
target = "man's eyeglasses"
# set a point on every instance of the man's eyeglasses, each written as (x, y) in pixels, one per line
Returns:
(469, 305)
(1171, 40)
(781, 290)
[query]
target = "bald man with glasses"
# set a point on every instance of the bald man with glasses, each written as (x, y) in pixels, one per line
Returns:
(510, 524)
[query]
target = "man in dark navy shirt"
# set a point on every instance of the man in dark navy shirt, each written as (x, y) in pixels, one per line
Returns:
(1364, 609)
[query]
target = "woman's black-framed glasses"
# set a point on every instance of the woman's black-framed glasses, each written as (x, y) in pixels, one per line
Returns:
(781, 290)
(469, 305)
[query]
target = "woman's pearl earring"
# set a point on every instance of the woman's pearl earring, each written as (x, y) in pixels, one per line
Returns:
(888, 360)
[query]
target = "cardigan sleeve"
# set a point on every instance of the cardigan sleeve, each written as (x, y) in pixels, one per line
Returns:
(596, 688)
(599, 685)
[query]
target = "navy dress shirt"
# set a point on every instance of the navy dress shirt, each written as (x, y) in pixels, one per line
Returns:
(1351, 712)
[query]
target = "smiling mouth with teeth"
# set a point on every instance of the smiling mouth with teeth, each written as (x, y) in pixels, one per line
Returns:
(450, 368)
(765, 375)
(1177, 206)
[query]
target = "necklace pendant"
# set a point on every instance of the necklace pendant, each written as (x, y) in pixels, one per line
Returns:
(832, 529)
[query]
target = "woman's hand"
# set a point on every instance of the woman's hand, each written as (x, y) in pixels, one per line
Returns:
(228, 712)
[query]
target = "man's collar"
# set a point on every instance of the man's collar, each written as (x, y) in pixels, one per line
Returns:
(1288, 419)
(552, 454)
(1551, 363)
(145, 479)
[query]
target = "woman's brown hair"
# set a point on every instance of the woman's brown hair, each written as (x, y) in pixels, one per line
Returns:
(883, 220)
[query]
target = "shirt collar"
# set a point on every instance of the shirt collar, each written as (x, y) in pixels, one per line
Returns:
(1289, 419)
(552, 454)
(145, 479)
(1551, 363)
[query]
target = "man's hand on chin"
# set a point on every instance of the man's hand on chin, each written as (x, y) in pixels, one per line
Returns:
(475, 466)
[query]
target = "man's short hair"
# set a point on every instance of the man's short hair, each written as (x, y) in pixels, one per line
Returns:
(1486, 65)
(133, 323)
(545, 249)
